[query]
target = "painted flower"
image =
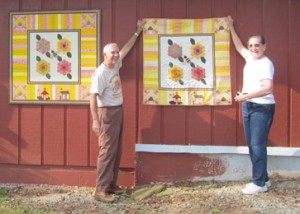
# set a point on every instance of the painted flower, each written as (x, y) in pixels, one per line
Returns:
(64, 67)
(64, 45)
(197, 50)
(175, 51)
(43, 67)
(88, 21)
(43, 46)
(175, 73)
(20, 23)
(198, 73)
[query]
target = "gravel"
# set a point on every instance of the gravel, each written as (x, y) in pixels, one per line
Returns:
(179, 197)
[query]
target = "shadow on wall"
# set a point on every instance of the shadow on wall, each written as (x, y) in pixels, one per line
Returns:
(162, 166)
(195, 128)
(8, 129)
(165, 166)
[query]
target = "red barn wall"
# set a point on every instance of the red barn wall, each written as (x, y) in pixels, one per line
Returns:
(54, 144)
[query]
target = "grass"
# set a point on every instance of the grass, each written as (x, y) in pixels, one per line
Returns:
(4, 208)
(3, 196)
(7, 209)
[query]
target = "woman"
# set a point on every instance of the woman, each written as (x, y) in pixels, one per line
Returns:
(258, 106)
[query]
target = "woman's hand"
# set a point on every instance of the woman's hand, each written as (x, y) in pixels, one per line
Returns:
(240, 97)
(229, 22)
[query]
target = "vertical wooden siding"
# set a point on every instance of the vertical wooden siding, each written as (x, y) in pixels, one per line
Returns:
(60, 135)
(292, 72)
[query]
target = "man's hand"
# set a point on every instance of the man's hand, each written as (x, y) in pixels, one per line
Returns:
(96, 127)
(140, 25)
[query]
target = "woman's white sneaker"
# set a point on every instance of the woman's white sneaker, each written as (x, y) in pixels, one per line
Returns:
(267, 183)
(253, 189)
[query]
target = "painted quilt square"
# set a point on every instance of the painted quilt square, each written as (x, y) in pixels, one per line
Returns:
(53, 55)
(186, 62)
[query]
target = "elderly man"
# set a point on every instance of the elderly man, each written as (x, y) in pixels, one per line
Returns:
(106, 101)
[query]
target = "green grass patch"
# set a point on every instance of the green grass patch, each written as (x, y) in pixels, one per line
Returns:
(3, 196)
(10, 210)
(7, 210)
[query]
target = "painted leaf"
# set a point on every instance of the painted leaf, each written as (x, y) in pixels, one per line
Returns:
(69, 76)
(69, 54)
(180, 59)
(203, 59)
(48, 76)
(203, 81)
(181, 82)
(192, 41)
(38, 58)
(59, 36)
(48, 54)
(38, 37)
(59, 58)
(171, 64)
(192, 65)
(170, 42)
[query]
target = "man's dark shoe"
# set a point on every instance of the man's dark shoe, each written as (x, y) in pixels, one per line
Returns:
(102, 196)
(116, 190)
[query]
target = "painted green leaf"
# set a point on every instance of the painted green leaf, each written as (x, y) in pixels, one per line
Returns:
(193, 65)
(192, 41)
(48, 76)
(180, 59)
(59, 36)
(181, 82)
(203, 81)
(48, 54)
(170, 42)
(171, 64)
(69, 76)
(69, 54)
(38, 58)
(203, 59)
(38, 37)
(59, 58)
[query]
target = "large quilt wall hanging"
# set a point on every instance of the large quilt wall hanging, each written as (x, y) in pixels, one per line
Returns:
(53, 55)
(186, 62)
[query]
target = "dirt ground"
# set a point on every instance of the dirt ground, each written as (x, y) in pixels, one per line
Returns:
(180, 197)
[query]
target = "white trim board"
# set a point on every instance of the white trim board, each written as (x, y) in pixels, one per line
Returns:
(193, 149)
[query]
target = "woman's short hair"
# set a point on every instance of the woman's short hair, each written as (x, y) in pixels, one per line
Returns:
(262, 38)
